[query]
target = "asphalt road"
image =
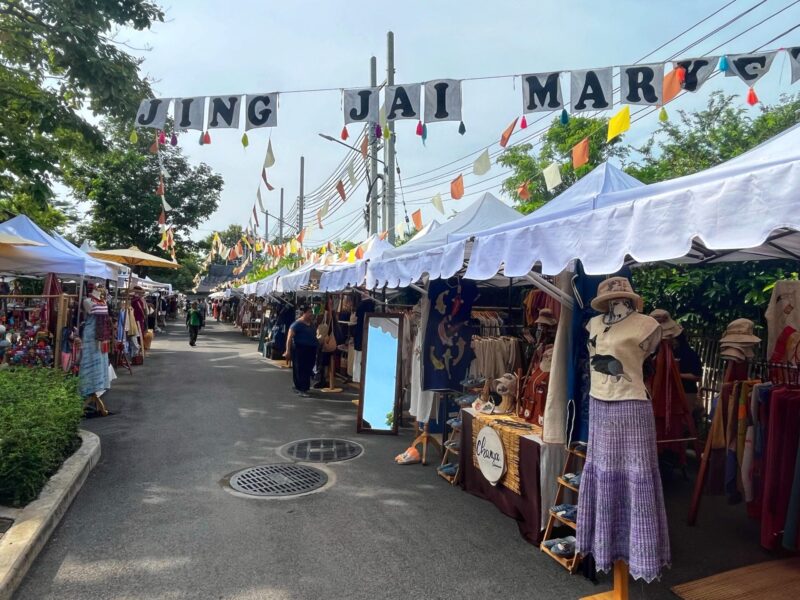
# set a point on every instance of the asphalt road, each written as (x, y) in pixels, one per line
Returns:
(154, 521)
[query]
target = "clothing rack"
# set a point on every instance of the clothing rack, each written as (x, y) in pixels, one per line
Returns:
(775, 371)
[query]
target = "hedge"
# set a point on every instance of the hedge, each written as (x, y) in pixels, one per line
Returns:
(40, 410)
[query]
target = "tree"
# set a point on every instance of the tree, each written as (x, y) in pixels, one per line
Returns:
(556, 147)
(57, 58)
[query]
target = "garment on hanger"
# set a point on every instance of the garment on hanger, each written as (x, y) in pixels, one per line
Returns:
(94, 373)
(670, 406)
(421, 402)
(783, 317)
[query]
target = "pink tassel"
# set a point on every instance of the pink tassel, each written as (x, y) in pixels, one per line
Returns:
(523, 124)
(419, 128)
(162, 138)
(207, 138)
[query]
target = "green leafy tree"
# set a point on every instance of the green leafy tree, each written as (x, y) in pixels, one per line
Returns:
(56, 59)
(557, 146)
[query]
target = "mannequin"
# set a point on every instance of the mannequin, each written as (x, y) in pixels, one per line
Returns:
(621, 516)
(94, 373)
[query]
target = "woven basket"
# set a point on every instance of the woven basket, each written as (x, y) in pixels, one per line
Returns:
(510, 438)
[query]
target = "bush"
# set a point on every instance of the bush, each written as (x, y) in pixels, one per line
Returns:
(40, 410)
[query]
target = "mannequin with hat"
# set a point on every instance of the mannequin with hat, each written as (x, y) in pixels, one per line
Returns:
(94, 377)
(622, 522)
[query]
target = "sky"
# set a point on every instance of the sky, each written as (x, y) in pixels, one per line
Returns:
(208, 48)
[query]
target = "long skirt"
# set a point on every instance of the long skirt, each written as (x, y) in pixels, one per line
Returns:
(303, 359)
(621, 512)
(93, 374)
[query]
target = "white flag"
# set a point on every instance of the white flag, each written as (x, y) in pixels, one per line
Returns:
(269, 159)
(552, 176)
(749, 67)
(351, 173)
(482, 164)
(324, 210)
(260, 202)
(167, 207)
(400, 230)
(437, 202)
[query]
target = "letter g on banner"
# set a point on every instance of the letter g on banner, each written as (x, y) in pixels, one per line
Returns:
(261, 110)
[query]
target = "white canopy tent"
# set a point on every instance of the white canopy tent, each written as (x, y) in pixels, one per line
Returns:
(265, 287)
(747, 208)
(301, 277)
(343, 275)
(440, 253)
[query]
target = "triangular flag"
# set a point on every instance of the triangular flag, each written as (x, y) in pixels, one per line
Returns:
(342, 256)
(160, 188)
(482, 164)
(552, 176)
(264, 177)
(400, 230)
(383, 235)
(162, 221)
(437, 202)
(580, 153)
(260, 202)
(359, 252)
(457, 188)
(351, 174)
(364, 146)
(672, 85)
(269, 159)
(416, 216)
(319, 218)
(255, 216)
(507, 133)
(323, 212)
(294, 246)
(340, 189)
(523, 192)
(301, 236)
(351, 256)
(164, 204)
(619, 123)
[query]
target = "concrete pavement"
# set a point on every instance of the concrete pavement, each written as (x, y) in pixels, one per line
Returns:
(153, 521)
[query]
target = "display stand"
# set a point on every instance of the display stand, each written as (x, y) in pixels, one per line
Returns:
(455, 435)
(620, 591)
(332, 389)
(426, 438)
(569, 563)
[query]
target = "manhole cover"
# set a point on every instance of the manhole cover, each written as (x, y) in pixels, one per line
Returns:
(323, 450)
(278, 480)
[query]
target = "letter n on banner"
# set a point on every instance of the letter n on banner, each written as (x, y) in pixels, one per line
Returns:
(361, 105)
(642, 84)
(402, 101)
(153, 113)
(442, 100)
(223, 112)
(261, 110)
(541, 92)
(591, 89)
(189, 113)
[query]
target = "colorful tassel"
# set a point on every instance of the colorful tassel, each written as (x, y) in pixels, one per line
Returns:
(344, 135)
(386, 133)
(245, 140)
(752, 99)
(134, 137)
(523, 124)
(424, 133)
(419, 128)
(162, 137)
(723, 63)
(378, 132)
(564, 117)
(207, 138)
(154, 148)
(681, 72)
(201, 138)
(662, 115)
(173, 141)
(461, 129)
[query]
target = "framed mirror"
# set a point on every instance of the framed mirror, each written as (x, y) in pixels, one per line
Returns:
(378, 409)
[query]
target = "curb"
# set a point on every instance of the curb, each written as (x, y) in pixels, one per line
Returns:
(34, 524)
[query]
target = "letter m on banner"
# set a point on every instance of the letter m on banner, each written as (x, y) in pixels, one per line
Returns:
(541, 92)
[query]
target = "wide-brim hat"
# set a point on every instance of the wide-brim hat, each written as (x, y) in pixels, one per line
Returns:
(615, 288)
(546, 317)
(669, 326)
(747, 349)
(740, 331)
(733, 354)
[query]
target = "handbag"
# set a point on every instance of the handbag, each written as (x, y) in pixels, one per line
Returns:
(325, 335)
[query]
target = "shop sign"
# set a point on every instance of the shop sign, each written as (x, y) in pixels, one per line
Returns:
(490, 454)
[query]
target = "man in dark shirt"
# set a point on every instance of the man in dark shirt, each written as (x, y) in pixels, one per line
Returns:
(301, 345)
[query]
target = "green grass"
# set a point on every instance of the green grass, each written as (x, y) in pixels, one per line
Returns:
(40, 410)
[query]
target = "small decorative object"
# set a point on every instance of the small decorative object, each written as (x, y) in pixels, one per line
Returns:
(134, 137)
(344, 134)
(523, 123)
(173, 141)
(564, 116)
(461, 129)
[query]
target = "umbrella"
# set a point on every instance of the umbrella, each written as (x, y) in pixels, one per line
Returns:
(134, 257)
(8, 239)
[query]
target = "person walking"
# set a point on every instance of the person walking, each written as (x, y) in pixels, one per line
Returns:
(301, 345)
(195, 320)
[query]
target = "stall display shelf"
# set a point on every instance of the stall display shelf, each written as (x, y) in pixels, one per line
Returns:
(455, 434)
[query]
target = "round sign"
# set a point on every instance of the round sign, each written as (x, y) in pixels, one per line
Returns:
(490, 454)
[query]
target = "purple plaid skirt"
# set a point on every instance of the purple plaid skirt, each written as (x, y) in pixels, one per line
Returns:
(621, 512)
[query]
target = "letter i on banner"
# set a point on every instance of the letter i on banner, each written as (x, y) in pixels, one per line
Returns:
(443, 100)
(189, 113)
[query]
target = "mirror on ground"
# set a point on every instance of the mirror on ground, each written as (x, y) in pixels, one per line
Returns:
(378, 406)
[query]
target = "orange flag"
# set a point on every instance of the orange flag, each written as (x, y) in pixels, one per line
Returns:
(457, 188)
(416, 216)
(301, 236)
(384, 234)
(359, 253)
(672, 86)
(523, 192)
(340, 189)
(364, 146)
(580, 153)
(160, 188)
(507, 133)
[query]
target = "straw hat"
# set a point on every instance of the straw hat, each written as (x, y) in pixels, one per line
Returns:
(615, 288)
(740, 331)
(734, 354)
(669, 327)
(546, 317)
(747, 349)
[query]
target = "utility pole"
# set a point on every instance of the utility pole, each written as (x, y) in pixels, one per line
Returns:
(373, 159)
(280, 220)
(266, 226)
(389, 195)
(300, 199)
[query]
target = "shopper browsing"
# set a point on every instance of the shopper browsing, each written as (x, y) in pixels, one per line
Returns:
(301, 345)
(195, 320)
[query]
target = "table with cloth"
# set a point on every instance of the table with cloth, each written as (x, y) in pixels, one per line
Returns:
(522, 473)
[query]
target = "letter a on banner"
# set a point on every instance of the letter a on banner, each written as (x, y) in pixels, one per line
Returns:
(402, 101)
(261, 110)
(442, 100)
(223, 112)
(153, 113)
(698, 70)
(361, 105)
(189, 113)
(591, 89)
(642, 84)
(749, 67)
(541, 92)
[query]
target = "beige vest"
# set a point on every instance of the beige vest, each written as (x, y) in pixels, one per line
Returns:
(617, 355)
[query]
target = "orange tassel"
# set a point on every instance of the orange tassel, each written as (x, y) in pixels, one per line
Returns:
(752, 99)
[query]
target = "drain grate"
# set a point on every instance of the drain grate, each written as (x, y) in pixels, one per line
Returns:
(323, 450)
(278, 480)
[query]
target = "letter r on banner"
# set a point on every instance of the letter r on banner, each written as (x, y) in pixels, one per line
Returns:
(642, 84)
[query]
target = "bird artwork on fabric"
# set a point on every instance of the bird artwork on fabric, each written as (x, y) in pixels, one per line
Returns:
(437, 364)
(609, 366)
(448, 330)
(440, 306)
(462, 346)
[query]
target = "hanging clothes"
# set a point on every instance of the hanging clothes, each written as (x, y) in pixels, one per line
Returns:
(782, 312)
(421, 402)
(670, 406)
(94, 375)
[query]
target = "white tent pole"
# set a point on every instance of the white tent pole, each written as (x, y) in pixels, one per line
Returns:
(549, 289)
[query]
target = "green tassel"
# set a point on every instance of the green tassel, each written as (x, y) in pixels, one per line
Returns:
(245, 141)
(564, 117)
(134, 137)
(662, 115)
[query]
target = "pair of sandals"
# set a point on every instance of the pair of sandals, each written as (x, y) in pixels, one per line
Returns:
(410, 457)
(564, 547)
(454, 423)
(449, 469)
(568, 512)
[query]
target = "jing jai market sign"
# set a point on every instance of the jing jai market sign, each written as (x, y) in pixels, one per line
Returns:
(490, 455)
